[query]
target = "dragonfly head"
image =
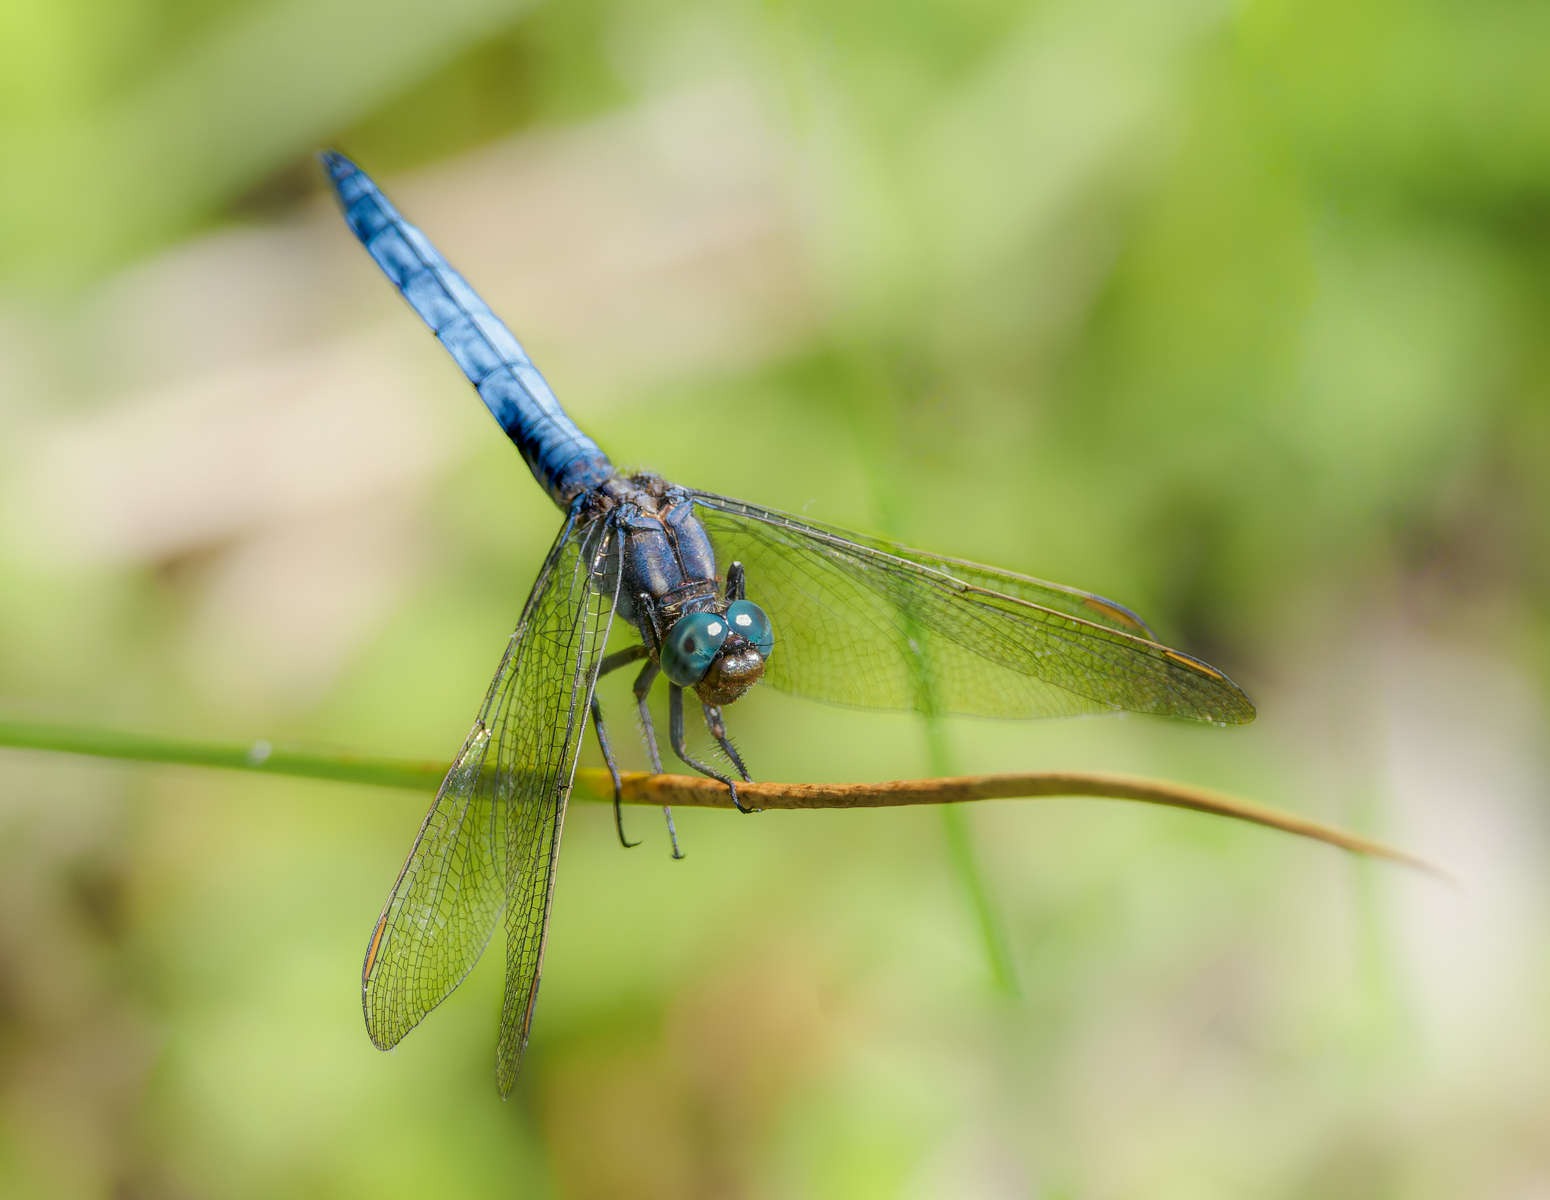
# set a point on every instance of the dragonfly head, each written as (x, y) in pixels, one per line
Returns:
(719, 655)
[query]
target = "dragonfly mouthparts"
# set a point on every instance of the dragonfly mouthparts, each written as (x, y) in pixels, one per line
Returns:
(732, 673)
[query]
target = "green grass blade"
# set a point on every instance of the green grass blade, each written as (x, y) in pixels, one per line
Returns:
(260, 757)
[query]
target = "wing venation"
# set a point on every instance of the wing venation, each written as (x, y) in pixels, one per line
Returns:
(491, 838)
(870, 624)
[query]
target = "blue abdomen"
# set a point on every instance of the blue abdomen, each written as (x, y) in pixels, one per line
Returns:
(564, 460)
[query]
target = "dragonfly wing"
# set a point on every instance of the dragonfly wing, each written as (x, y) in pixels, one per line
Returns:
(544, 707)
(864, 622)
(1073, 602)
(443, 907)
(491, 838)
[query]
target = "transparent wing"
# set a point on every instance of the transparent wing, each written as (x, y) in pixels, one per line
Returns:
(863, 622)
(491, 839)
(543, 717)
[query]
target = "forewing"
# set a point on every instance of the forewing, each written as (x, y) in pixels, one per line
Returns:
(492, 835)
(863, 622)
(536, 741)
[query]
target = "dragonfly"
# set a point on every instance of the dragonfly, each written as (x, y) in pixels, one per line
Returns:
(722, 595)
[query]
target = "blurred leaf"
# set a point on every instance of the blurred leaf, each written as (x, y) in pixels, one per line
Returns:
(89, 187)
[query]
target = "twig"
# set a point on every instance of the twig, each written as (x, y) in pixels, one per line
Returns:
(693, 791)
(686, 790)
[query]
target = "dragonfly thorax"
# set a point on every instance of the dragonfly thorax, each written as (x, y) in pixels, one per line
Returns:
(667, 587)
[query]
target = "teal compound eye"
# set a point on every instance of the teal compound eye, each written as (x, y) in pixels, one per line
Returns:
(691, 646)
(748, 620)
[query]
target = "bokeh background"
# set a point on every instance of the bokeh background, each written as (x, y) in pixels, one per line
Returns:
(1237, 312)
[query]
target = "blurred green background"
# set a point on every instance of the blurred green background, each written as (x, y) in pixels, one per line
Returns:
(1235, 312)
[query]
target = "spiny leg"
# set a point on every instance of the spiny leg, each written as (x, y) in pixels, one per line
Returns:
(718, 730)
(613, 771)
(643, 682)
(675, 729)
(612, 663)
(671, 832)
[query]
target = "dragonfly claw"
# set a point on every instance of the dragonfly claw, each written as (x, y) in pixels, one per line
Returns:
(738, 804)
(672, 834)
(619, 822)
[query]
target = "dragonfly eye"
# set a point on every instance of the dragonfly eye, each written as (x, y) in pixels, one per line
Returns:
(749, 620)
(691, 645)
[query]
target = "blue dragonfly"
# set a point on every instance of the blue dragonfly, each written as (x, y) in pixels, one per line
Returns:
(722, 594)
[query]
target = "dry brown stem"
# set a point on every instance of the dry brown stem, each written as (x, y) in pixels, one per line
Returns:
(696, 791)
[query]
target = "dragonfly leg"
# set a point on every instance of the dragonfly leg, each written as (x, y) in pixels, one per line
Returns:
(643, 682)
(675, 728)
(735, 582)
(613, 771)
(621, 658)
(672, 834)
(612, 663)
(718, 730)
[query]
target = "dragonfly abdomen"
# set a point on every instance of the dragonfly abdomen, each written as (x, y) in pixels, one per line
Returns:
(563, 459)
